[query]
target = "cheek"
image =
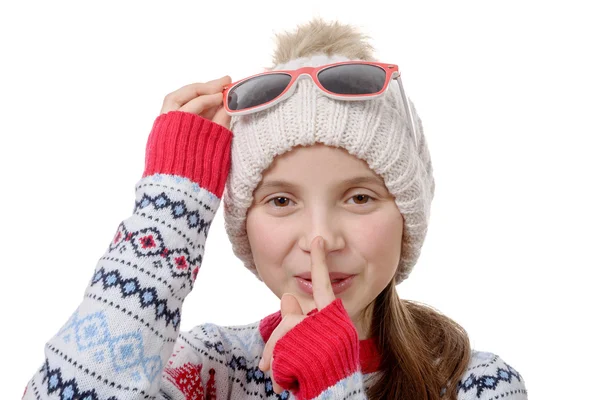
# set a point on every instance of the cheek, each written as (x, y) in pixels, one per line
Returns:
(379, 239)
(268, 242)
(264, 235)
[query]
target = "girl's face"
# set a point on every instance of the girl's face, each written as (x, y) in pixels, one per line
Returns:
(360, 223)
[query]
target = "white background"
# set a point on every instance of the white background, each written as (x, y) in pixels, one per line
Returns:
(508, 94)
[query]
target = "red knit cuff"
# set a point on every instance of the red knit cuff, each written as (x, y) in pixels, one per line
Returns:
(188, 145)
(317, 353)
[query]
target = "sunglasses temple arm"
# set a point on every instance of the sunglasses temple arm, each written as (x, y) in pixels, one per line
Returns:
(407, 110)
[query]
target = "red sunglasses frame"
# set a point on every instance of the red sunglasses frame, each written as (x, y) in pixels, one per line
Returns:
(391, 72)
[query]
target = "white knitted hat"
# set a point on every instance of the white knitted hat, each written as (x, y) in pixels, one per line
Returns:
(375, 130)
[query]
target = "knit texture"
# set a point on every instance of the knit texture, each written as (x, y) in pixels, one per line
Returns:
(376, 131)
(123, 341)
(320, 365)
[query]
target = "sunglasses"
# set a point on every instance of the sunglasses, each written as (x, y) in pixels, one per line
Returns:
(347, 80)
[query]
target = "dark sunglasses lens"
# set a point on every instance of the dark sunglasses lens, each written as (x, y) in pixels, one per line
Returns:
(353, 79)
(257, 91)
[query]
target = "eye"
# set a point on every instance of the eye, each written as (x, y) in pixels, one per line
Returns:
(363, 197)
(278, 202)
(282, 202)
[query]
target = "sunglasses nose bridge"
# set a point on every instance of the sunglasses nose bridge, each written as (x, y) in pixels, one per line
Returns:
(304, 75)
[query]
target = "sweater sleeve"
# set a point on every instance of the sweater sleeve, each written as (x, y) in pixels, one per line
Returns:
(319, 357)
(489, 376)
(118, 341)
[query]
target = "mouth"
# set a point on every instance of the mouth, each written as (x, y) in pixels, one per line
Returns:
(332, 281)
(333, 276)
(337, 285)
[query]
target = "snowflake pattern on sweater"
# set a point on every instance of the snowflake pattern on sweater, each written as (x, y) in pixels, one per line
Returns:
(123, 341)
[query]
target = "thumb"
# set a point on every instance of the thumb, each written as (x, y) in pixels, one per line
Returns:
(290, 305)
(222, 118)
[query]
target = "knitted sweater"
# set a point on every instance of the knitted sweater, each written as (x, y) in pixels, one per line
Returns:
(123, 341)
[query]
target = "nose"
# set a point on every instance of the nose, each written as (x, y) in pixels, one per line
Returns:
(325, 227)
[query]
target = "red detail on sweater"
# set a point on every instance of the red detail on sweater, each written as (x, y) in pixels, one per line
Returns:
(211, 389)
(128, 237)
(187, 379)
(181, 263)
(117, 237)
(322, 338)
(191, 146)
(370, 357)
(164, 253)
(147, 241)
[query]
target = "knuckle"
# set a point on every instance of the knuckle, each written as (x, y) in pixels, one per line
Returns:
(168, 98)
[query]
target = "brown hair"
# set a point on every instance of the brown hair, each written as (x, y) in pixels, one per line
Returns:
(424, 353)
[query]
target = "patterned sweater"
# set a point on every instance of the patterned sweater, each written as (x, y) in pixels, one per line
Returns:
(123, 341)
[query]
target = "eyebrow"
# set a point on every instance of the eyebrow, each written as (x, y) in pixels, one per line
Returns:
(347, 182)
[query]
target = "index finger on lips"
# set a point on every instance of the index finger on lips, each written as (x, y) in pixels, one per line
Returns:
(322, 289)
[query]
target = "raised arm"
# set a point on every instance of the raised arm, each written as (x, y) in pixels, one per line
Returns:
(118, 340)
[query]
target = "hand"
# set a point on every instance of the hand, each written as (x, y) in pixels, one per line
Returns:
(204, 99)
(291, 312)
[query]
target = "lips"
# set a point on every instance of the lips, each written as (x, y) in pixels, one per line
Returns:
(332, 276)
(338, 287)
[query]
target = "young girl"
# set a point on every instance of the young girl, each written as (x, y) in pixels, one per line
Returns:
(327, 185)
